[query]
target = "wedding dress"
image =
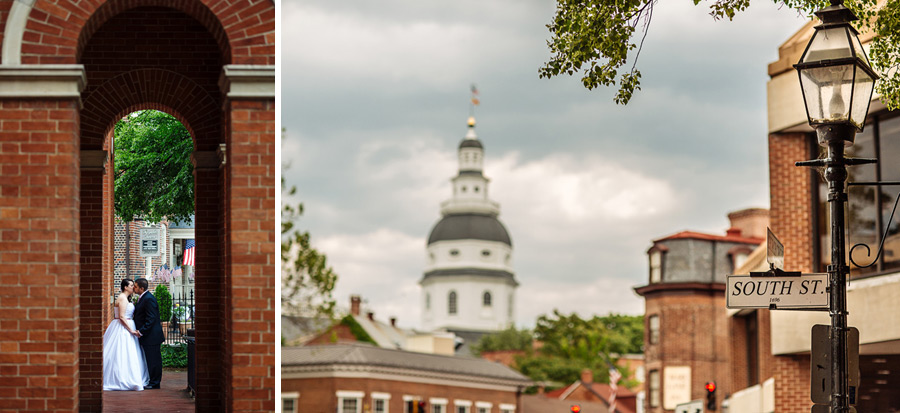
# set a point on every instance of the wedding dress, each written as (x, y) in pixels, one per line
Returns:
(123, 360)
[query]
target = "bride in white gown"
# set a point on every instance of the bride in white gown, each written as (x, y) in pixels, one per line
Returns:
(123, 360)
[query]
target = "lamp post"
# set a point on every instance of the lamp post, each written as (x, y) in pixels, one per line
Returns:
(837, 85)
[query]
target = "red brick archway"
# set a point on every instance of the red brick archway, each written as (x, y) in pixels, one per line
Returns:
(70, 69)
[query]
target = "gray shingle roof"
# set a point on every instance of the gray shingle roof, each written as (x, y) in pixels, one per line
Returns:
(361, 354)
(469, 226)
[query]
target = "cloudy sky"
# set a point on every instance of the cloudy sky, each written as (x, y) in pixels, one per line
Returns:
(375, 97)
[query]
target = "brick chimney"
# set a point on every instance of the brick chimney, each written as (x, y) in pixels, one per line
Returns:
(750, 222)
(393, 321)
(587, 376)
(354, 304)
(371, 316)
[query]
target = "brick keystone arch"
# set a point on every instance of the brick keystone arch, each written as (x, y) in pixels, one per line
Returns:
(151, 88)
(55, 32)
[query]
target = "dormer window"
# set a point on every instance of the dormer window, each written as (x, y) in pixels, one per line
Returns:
(655, 266)
(454, 253)
(739, 255)
(486, 299)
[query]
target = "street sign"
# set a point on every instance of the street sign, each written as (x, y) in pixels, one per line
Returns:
(806, 291)
(820, 364)
(774, 250)
(150, 242)
(693, 406)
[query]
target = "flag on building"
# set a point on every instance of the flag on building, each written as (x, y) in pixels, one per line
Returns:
(475, 100)
(614, 377)
(189, 251)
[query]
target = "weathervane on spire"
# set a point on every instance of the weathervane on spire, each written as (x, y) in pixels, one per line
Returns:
(475, 101)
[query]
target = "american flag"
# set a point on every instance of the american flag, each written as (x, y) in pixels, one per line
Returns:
(614, 377)
(189, 252)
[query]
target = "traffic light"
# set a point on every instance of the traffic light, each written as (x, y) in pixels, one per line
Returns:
(711, 395)
(576, 408)
(421, 406)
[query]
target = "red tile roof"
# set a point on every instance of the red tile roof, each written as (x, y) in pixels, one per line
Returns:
(731, 237)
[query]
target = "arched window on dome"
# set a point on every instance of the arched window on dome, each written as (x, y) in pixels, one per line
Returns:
(486, 300)
(451, 303)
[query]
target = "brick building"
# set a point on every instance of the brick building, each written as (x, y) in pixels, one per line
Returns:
(588, 393)
(358, 378)
(686, 342)
(68, 71)
(129, 262)
(799, 217)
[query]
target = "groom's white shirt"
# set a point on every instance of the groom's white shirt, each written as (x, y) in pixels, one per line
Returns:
(139, 299)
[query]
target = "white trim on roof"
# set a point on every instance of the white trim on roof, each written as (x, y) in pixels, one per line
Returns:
(464, 403)
(486, 405)
(350, 394)
(507, 406)
(379, 395)
(436, 400)
(461, 382)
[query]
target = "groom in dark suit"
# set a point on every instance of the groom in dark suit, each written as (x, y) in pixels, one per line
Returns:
(146, 321)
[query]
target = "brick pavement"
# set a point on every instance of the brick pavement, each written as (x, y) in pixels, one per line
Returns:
(171, 397)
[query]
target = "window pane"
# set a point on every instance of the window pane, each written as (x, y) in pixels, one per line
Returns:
(349, 406)
(654, 388)
(654, 329)
(451, 303)
(861, 207)
(379, 406)
(287, 405)
(889, 131)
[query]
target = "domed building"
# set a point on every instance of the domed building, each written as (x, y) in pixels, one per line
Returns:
(469, 285)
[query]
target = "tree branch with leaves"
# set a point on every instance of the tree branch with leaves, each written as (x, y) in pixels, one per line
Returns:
(154, 177)
(307, 281)
(593, 38)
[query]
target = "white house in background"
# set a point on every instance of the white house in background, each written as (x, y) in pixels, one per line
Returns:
(468, 287)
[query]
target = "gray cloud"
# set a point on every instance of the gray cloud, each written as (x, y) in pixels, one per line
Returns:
(375, 98)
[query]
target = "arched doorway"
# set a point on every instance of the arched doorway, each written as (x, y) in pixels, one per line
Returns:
(69, 71)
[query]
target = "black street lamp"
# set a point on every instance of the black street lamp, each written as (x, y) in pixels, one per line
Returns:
(837, 85)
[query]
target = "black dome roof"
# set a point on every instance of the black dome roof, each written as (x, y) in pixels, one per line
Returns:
(469, 226)
(470, 143)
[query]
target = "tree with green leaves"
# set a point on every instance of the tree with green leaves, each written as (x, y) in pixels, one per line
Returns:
(153, 172)
(307, 281)
(509, 339)
(571, 344)
(594, 38)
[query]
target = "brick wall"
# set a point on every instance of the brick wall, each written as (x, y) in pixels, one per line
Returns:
(243, 29)
(318, 395)
(792, 383)
(39, 255)
(56, 231)
(693, 332)
(791, 220)
(251, 251)
(790, 189)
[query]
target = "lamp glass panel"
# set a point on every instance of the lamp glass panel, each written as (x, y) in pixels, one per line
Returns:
(827, 91)
(827, 44)
(862, 93)
(860, 52)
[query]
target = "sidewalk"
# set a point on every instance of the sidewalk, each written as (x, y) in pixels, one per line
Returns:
(171, 397)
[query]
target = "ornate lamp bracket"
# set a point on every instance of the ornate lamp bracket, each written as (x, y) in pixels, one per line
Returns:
(888, 225)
